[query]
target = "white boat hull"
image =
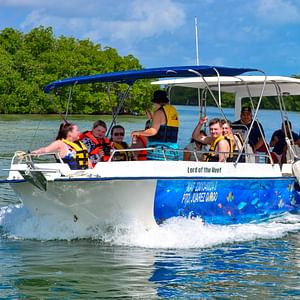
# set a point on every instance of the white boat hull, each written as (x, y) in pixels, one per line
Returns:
(90, 203)
(150, 192)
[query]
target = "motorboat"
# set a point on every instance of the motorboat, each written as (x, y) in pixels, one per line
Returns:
(151, 192)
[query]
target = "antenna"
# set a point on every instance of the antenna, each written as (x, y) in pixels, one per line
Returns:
(197, 62)
(197, 43)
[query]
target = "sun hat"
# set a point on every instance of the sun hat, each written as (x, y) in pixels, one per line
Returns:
(160, 97)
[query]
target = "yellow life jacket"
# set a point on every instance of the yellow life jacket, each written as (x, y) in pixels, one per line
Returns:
(169, 131)
(80, 160)
(172, 117)
(231, 146)
(122, 155)
(212, 155)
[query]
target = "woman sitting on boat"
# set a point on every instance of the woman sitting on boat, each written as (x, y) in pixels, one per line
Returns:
(163, 132)
(235, 140)
(219, 147)
(117, 138)
(69, 148)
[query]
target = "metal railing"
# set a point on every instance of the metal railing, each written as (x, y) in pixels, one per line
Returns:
(248, 157)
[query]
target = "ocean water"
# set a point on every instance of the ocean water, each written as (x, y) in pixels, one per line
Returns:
(181, 259)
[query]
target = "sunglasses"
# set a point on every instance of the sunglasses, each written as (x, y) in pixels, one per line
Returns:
(119, 134)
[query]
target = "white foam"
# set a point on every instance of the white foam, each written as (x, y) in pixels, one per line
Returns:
(187, 233)
(17, 222)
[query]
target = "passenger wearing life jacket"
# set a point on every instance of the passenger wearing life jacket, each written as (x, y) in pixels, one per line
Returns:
(139, 142)
(98, 145)
(69, 148)
(219, 147)
(235, 141)
(117, 138)
(163, 131)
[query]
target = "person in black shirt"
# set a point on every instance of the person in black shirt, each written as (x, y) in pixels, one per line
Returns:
(257, 132)
(279, 143)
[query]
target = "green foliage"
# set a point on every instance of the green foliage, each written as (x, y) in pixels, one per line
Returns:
(189, 96)
(28, 62)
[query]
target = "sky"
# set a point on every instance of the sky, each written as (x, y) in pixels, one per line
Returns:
(262, 34)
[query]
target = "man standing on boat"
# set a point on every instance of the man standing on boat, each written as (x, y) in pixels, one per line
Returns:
(97, 144)
(256, 137)
(163, 132)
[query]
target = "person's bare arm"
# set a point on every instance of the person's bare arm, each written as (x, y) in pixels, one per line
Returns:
(157, 120)
(186, 155)
(223, 149)
(56, 146)
(205, 140)
(196, 132)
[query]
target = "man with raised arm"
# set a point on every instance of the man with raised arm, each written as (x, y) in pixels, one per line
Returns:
(219, 148)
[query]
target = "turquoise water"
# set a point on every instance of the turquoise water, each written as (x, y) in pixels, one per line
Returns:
(86, 269)
(183, 259)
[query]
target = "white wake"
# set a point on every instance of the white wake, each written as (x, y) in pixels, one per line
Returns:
(18, 223)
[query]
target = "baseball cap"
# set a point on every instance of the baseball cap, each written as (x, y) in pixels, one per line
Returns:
(246, 109)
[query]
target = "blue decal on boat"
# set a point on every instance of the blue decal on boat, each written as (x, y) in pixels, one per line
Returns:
(242, 205)
(221, 200)
(254, 201)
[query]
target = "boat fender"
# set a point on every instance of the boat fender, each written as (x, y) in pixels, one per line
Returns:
(296, 170)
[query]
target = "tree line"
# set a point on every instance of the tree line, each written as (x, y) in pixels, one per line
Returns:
(29, 61)
(189, 96)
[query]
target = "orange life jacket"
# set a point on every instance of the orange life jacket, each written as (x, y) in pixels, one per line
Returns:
(101, 144)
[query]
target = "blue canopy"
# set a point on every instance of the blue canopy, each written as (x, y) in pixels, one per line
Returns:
(131, 76)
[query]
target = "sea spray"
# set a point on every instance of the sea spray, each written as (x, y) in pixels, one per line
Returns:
(18, 223)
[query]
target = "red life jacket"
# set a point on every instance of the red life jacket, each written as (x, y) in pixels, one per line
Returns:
(142, 155)
(101, 144)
